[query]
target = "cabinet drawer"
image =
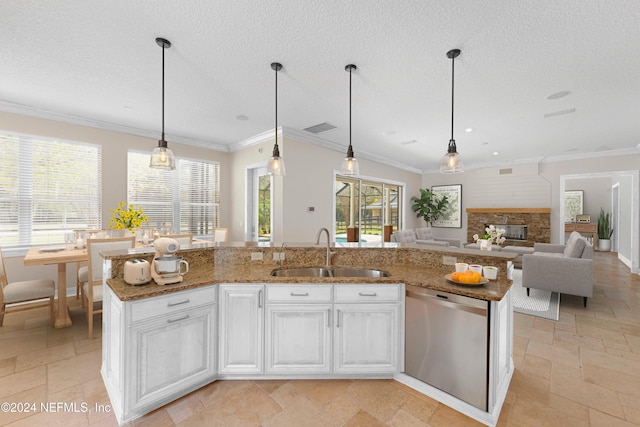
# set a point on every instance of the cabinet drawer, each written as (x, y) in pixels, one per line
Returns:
(367, 293)
(299, 293)
(167, 304)
(586, 228)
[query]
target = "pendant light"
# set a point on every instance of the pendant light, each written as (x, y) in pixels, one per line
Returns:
(350, 164)
(162, 157)
(452, 162)
(275, 165)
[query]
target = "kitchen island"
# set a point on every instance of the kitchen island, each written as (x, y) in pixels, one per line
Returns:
(231, 319)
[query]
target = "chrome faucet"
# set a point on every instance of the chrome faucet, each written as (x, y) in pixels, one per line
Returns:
(330, 253)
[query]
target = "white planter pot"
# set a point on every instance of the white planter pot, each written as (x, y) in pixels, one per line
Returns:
(604, 245)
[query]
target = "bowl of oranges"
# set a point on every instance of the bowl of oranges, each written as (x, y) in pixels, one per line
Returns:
(470, 278)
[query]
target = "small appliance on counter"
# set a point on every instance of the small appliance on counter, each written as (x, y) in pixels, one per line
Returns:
(166, 267)
(137, 272)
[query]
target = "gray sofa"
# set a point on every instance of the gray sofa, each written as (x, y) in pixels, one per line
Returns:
(567, 269)
(422, 236)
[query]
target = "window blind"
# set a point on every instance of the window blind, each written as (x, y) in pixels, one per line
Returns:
(186, 200)
(47, 187)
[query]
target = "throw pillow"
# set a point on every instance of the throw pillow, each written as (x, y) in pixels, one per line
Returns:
(575, 249)
(425, 233)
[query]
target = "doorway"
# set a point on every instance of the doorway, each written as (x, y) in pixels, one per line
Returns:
(259, 205)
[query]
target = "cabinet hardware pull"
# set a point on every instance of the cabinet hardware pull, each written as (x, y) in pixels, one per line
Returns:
(329, 319)
(338, 320)
(305, 294)
(260, 298)
(186, 316)
(364, 294)
(171, 304)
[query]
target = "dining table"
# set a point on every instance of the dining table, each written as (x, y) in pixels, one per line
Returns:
(60, 256)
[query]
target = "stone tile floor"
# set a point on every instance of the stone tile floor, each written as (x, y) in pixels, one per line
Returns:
(583, 370)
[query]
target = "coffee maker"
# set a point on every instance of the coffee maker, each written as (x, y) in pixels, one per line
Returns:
(166, 267)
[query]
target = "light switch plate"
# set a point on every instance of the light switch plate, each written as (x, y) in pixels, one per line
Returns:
(278, 256)
(256, 256)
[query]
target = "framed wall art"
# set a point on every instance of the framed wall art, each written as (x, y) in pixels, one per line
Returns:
(452, 217)
(573, 204)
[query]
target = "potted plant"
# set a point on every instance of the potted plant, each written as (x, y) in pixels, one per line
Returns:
(429, 206)
(604, 231)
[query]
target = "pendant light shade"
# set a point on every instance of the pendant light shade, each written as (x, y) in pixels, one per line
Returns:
(350, 164)
(275, 165)
(452, 162)
(162, 157)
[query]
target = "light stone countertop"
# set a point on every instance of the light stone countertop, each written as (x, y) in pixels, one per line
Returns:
(408, 264)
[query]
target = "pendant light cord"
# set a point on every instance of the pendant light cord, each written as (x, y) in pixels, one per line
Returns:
(350, 148)
(163, 49)
(453, 61)
(276, 127)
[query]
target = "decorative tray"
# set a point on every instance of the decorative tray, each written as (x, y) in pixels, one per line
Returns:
(52, 249)
(483, 281)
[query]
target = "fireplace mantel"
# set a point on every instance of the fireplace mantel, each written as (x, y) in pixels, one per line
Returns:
(537, 220)
(510, 210)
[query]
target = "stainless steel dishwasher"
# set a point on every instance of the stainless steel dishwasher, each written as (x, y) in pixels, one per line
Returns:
(446, 343)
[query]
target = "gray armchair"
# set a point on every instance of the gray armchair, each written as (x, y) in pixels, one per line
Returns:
(567, 269)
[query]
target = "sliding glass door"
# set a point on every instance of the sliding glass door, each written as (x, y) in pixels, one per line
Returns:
(366, 210)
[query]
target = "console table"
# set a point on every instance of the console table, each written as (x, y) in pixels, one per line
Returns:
(584, 228)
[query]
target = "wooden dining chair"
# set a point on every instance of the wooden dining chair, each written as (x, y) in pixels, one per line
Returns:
(25, 291)
(83, 269)
(220, 234)
(92, 289)
(182, 239)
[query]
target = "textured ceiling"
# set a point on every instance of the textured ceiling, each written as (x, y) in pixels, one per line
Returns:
(97, 62)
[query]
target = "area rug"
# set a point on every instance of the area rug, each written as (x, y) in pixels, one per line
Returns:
(539, 303)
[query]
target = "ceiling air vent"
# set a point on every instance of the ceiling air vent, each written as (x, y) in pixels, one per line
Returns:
(506, 171)
(322, 127)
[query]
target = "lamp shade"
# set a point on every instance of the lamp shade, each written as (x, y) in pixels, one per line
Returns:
(275, 164)
(451, 163)
(350, 165)
(162, 157)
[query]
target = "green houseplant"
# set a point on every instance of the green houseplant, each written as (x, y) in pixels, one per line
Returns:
(429, 206)
(604, 231)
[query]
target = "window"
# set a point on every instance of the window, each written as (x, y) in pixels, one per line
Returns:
(366, 210)
(47, 187)
(182, 201)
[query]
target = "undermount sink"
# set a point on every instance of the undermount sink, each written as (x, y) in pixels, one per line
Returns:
(326, 272)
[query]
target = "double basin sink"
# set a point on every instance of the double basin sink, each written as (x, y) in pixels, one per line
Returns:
(329, 272)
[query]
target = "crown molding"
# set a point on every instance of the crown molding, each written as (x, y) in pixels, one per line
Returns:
(11, 107)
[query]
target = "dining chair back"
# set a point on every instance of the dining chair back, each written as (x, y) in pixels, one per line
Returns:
(220, 234)
(92, 288)
(25, 291)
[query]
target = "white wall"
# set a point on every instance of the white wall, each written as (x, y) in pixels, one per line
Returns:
(114, 173)
(538, 185)
(309, 182)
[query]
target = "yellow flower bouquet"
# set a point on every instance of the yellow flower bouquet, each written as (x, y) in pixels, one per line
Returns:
(127, 216)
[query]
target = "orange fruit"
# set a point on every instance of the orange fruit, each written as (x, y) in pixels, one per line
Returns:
(456, 275)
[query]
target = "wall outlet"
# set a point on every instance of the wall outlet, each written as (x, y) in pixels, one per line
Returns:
(449, 260)
(256, 256)
(278, 256)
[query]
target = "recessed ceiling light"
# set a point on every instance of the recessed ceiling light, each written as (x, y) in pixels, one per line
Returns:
(485, 143)
(126, 107)
(468, 130)
(559, 95)
(495, 153)
(242, 117)
(413, 141)
(389, 132)
(560, 113)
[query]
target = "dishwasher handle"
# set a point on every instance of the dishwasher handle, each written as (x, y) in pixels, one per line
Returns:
(443, 301)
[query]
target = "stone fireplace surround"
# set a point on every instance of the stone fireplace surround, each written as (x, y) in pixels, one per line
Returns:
(537, 220)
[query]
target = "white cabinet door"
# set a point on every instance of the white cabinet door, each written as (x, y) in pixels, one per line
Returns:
(298, 338)
(170, 354)
(241, 329)
(366, 338)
